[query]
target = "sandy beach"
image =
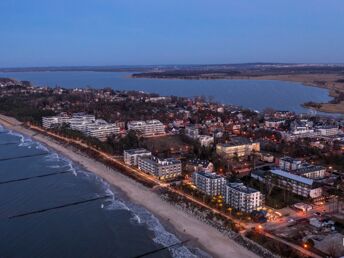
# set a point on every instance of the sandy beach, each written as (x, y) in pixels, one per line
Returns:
(209, 239)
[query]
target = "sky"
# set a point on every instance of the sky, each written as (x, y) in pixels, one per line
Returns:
(149, 32)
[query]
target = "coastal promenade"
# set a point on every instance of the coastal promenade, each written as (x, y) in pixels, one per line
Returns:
(184, 225)
(179, 225)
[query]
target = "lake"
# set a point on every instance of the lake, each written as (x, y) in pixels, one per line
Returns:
(253, 94)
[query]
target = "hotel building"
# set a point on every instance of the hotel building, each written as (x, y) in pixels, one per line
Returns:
(242, 198)
(131, 156)
(147, 128)
(296, 184)
(239, 147)
(209, 183)
(101, 129)
(162, 169)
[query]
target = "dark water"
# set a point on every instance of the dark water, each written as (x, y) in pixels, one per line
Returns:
(103, 228)
(256, 95)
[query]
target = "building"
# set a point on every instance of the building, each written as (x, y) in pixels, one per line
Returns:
(147, 128)
(310, 171)
(162, 169)
(79, 121)
(154, 127)
(49, 122)
(238, 147)
(328, 130)
(242, 198)
(289, 164)
(131, 156)
(206, 140)
(274, 123)
(192, 131)
(296, 184)
(101, 129)
(209, 183)
(52, 121)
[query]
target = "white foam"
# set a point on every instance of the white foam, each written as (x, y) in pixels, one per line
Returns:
(161, 236)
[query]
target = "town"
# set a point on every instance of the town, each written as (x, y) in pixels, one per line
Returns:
(273, 176)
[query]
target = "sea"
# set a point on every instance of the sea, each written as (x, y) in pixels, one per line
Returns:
(254, 94)
(112, 227)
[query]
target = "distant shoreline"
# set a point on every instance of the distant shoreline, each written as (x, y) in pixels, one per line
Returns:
(323, 81)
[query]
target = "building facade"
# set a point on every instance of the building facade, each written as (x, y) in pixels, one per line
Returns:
(131, 156)
(209, 183)
(147, 128)
(242, 198)
(296, 184)
(238, 148)
(162, 169)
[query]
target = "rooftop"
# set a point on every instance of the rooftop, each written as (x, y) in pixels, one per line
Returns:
(242, 188)
(137, 151)
(209, 175)
(291, 176)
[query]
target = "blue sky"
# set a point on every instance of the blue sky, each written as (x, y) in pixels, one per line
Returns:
(128, 32)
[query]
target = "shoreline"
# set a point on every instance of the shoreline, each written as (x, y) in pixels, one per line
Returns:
(336, 109)
(183, 225)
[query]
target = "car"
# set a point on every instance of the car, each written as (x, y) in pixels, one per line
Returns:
(317, 213)
(291, 220)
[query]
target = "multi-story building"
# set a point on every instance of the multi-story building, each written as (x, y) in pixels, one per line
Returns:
(328, 130)
(296, 184)
(49, 122)
(310, 171)
(274, 123)
(154, 127)
(131, 156)
(192, 131)
(162, 169)
(289, 164)
(147, 128)
(209, 183)
(101, 129)
(79, 121)
(242, 198)
(238, 147)
(205, 140)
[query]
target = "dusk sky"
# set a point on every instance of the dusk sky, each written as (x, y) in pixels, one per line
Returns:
(127, 32)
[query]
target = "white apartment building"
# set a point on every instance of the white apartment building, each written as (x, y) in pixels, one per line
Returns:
(299, 185)
(162, 169)
(101, 129)
(209, 183)
(239, 147)
(51, 121)
(79, 121)
(192, 131)
(310, 171)
(154, 127)
(328, 130)
(274, 123)
(131, 156)
(206, 140)
(289, 164)
(242, 198)
(84, 123)
(147, 128)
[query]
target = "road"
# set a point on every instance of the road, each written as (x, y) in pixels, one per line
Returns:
(154, 180)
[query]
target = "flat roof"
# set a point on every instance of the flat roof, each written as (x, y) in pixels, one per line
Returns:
(242, 188)
(291, 176)
(137, 151)
(209, 175)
